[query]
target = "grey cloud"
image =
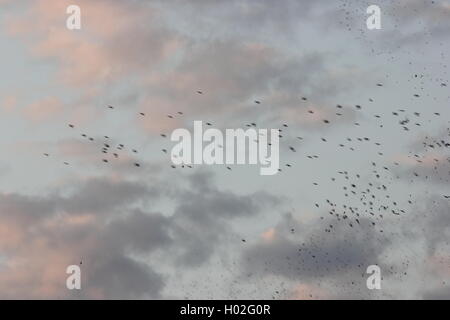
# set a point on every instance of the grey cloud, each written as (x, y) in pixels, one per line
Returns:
(439, 294)
(117, 249)
(120, 277)
(139, 232)
(309, 253)
(203, 217)
(101, 195)
(431, 158)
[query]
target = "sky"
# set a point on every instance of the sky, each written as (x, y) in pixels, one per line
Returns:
(370, 186)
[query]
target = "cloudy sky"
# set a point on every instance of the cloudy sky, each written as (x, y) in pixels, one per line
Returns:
(369, 186)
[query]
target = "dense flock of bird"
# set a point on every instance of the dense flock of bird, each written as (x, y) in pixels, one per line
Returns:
(373, 196)
(363, 201)
(365, 198)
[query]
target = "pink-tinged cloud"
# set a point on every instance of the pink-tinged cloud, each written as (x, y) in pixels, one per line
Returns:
(269, 235)
(9, 104)
(308, 292)
(103, 50)
(43, 110)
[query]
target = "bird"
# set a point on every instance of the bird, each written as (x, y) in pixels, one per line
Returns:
(72, 126)
(199, 92)
(110, 107)
(257, 102)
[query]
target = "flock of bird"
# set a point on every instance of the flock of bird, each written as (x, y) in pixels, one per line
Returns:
(365, 199)
(373, 195)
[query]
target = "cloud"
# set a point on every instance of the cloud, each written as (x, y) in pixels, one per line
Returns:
(307, 255)
(44, 110)
(103, 223)
(333, 264)
(440, 294)
(167, 66)
(428, 160)
(103, 50)
(138, 231)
